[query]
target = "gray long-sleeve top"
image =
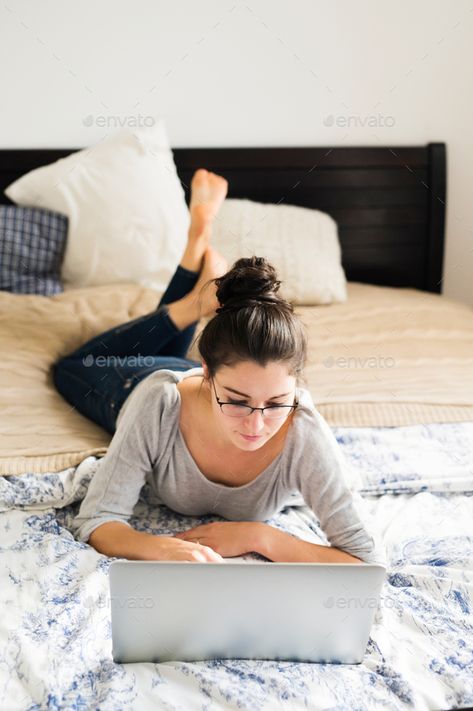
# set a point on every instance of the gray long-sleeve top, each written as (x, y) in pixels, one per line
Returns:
(148, 447)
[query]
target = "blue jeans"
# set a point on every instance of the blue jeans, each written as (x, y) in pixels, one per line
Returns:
(98, 377)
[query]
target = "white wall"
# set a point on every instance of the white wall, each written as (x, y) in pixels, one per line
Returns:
(250, 73)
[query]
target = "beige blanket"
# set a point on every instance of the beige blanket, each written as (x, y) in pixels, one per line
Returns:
(385, 357)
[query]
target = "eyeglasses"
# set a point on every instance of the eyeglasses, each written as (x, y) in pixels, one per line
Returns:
(272, 412)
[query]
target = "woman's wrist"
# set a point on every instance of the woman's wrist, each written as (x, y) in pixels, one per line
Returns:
(282, 547)
(274, 544)
(262, 538)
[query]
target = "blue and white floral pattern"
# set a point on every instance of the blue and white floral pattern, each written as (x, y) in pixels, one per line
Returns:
(55, 633)
(393, 460)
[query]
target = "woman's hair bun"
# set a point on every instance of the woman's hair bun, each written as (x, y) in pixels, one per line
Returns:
(253, 323)
(250, 281)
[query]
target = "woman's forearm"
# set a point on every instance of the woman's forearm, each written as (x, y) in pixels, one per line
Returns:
(281, 547)
(116, 539)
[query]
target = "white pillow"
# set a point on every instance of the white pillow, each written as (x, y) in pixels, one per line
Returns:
(301, 243)
(128, 218)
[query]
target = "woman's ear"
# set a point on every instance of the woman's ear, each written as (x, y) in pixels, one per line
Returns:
(205, 368)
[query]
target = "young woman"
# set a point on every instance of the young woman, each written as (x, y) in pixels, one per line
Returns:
(232, 435)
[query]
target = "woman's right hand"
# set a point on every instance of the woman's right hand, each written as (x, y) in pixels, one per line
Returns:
(170, 548)
(117, 539)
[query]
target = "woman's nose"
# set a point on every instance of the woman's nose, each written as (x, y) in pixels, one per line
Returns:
(255, 421)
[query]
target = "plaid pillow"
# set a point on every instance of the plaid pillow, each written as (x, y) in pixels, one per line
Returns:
(32, 244)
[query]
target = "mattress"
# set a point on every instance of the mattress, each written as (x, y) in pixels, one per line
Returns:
(385, 357)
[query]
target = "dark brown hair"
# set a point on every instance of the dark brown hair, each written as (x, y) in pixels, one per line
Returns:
(253, 322)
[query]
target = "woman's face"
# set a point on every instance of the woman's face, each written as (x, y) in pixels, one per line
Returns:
(250, 384)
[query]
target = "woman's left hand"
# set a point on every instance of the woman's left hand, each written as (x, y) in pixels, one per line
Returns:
(229, 538)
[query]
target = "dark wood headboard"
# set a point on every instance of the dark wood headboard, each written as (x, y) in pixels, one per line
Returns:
(388, 202)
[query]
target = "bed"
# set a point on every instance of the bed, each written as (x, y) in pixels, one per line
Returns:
(407, 431)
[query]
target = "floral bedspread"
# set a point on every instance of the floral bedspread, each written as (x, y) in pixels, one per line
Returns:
(55, 632)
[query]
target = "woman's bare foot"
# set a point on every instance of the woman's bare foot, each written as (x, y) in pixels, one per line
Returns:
(198, 238)
(215, 265)
(208, 191)
(202, 300)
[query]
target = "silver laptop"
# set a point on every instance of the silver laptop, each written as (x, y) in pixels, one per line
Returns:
(189, 611)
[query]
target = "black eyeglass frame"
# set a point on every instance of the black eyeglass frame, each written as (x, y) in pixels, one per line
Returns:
(292, 407)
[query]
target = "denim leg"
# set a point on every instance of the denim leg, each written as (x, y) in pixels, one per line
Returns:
(99, 389)
(179, 287)
(147, 334)
(180, 343)
(98, 377)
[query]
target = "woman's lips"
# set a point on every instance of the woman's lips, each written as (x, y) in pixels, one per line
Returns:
(251, 438)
